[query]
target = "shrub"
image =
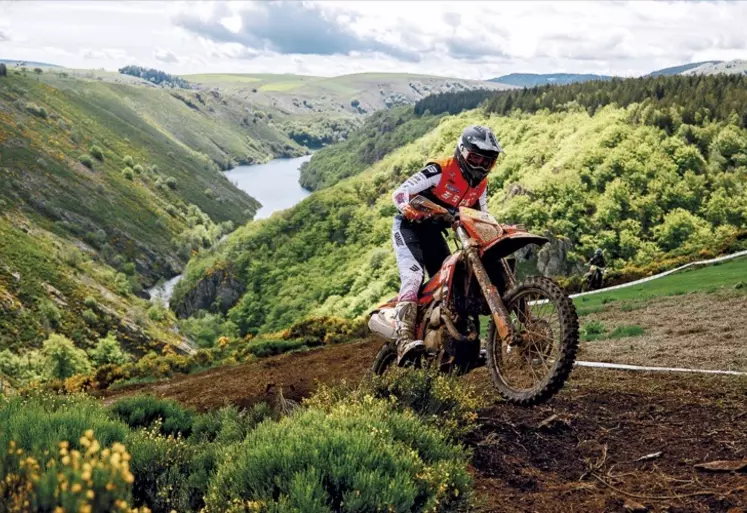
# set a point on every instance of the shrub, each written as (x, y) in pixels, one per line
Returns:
(96, 152)
(36, 110)
(128, 173)
(265, 348)
(170, 475)
(437, 398)
(49, 313)
(128, 161)
(108, 351)
(228, 425)
(362, 455)
(63, 359)
(207, 328)
(355, 104)
(90, 317)
(209, 193)
(86, 160)
(145, 410)
(326, 330)
(90, 302)
(138, 169)
(3, 70)
(45, 431)
(38, 71)
(171, 182)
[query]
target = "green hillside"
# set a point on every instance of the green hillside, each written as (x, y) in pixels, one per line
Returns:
(646, 183)
(381, 133)
(107, 188)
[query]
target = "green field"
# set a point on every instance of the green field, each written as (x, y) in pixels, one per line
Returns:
(727, 276)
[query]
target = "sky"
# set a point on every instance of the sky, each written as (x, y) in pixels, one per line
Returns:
(477, 40)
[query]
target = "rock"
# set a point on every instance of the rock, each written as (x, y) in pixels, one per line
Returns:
(634, 507)
(218, 289)
(552, 258)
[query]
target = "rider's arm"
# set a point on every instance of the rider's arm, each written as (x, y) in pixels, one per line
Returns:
(419, 182)
(484, 200)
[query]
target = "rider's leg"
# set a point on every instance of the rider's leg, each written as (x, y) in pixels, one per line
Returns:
(435, 249)
(407, 249)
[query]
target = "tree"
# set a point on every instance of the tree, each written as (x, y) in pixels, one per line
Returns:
(63, 359)
(3, 70)
(108, 352)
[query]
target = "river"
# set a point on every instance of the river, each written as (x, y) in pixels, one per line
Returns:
(274, 184)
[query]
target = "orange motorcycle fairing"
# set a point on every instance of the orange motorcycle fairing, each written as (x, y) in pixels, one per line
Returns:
(439, 286)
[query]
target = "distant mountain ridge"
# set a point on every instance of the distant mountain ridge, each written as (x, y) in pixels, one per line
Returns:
(538, 79)
(676, 70)
(12, 62)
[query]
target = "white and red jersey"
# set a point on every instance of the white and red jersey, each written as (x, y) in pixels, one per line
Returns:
(442, 182)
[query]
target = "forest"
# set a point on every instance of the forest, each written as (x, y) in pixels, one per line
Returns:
(155, 76)
(381, 133)
(649, 195)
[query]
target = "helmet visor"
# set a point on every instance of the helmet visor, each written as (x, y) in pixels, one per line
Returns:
(478, 161)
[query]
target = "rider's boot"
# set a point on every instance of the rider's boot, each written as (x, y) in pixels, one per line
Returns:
(405, 316)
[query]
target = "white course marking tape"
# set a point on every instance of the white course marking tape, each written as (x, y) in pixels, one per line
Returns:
(665, 273)
(622, 366)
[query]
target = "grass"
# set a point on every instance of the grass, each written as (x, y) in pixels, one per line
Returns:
(721, 276)
(596, 330)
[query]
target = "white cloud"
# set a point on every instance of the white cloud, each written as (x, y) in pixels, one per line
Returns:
(465, 39)
(165, 56)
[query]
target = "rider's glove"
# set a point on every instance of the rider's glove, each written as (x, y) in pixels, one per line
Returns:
(412, 214)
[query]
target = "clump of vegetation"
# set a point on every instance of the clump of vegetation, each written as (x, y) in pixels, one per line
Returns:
(90, 317)
(143, 411)
(159, 455)
(63, 359)
(171, 182)
(129, 161)
(138, 169)
(86, 161)
(36, 110)
(128, 173)
(96, 152)
(108, 351)
(391, 461)
(3, 70)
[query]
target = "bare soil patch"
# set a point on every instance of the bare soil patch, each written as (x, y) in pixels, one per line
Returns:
(705, 331)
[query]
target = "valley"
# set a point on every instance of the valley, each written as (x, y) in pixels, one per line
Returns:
(187, 263)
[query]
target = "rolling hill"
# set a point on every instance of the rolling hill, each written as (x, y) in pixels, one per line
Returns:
(348, 95)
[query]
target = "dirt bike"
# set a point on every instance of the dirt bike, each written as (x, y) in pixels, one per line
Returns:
(532, 336)
(593, 279)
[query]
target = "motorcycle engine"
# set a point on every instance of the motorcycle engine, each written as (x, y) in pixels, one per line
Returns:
(435, 333)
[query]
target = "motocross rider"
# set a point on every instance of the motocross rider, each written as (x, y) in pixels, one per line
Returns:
(597, 259)
(419, 243)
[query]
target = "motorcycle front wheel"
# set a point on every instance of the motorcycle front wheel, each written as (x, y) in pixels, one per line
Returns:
(535, 363)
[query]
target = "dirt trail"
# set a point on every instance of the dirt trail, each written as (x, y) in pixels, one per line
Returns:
(590, 458)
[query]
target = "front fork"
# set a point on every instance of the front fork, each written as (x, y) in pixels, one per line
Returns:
(498, 310)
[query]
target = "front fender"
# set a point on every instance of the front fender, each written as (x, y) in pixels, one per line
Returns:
(511, 242)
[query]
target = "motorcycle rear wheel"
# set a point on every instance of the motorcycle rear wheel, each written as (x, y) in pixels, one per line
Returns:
(551, 340)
